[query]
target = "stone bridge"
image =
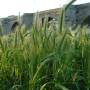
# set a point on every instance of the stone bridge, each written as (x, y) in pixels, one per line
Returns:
(75, 15)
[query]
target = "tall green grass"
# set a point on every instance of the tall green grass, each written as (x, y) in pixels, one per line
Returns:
(45, 58)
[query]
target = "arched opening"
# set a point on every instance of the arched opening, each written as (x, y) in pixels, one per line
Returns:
(86, 21)
(14, 26)
(43, 20)
(49, 19)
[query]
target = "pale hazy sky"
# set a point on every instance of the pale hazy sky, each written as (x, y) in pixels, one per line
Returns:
(13, 7)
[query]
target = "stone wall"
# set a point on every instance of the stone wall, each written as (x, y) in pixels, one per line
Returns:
(7, 23)
(27, 19)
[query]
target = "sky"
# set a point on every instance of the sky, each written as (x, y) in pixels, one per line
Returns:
(13, 7)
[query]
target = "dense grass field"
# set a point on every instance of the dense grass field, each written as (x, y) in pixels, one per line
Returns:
(45, 58)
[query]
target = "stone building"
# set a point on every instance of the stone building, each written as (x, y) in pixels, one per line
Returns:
(76, 14)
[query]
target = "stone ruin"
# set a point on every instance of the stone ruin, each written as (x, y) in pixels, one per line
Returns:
(75, 15)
